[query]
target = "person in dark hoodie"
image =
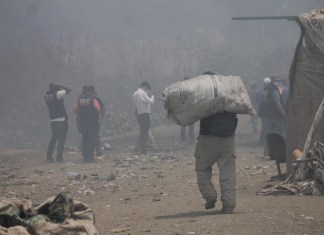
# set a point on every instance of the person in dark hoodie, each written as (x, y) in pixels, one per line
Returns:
(59, 120)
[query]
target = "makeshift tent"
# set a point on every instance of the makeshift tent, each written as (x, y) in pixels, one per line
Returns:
(306, 80)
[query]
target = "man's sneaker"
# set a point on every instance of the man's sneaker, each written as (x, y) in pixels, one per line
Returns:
(210, 204)
(227, 210)
(91, 161)
(99, 154)
(49, 159)
(60, 160)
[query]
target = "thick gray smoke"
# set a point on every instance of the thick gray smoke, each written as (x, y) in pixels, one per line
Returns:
(116, 44)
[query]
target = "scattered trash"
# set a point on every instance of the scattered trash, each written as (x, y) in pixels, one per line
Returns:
(297, 188)
(307, 178)
(120, 230)
(85, 191)
(106, 146)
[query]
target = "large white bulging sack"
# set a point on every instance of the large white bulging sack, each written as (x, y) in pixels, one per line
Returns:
(197, 98)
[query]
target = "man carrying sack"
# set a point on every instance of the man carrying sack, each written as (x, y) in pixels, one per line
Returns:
(216, 145)
(214, 100)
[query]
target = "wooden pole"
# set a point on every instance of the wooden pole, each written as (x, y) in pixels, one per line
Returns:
(313, 129)
(289, 18)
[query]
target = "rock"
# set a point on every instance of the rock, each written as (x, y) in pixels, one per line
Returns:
(167, 158)
(257, 167)
(74, 175)
(123, 164)
(125, 199)
(39, 172)
(110, 177)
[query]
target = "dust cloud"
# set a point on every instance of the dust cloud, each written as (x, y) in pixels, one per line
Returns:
(117, 44)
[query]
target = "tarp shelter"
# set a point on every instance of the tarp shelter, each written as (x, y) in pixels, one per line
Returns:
(306, 81)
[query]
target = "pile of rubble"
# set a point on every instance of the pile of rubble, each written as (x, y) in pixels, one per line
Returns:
(307, 177)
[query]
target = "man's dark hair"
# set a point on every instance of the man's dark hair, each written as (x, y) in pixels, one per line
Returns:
(145, 83)
(88, 88)
(208, 73)
(253, 85)
(52, 87)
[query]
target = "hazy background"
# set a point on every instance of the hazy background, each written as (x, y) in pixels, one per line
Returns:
(115, 44)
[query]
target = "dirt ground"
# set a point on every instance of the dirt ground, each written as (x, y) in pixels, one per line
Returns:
(158, 194)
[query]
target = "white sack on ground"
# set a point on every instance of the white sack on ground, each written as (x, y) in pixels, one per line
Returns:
(197, 98)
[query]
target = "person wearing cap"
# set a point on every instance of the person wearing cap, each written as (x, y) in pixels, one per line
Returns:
(142, 101)
(272, 110)
(191, 128)
(88, 110)
(59, 120)
(259, 98)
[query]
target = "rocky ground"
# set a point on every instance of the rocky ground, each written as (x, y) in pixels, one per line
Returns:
(158, 194)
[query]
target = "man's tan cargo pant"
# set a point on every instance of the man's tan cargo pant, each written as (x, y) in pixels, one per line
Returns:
(211, 149)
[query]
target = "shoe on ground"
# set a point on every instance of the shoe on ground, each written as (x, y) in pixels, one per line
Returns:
(60, 160)
(49, 160)
(227, 210)
(210, 204)
(99, 154)
(91, 161)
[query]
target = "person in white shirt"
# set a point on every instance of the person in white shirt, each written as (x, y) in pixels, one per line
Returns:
(143, 103)
(59, 119)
